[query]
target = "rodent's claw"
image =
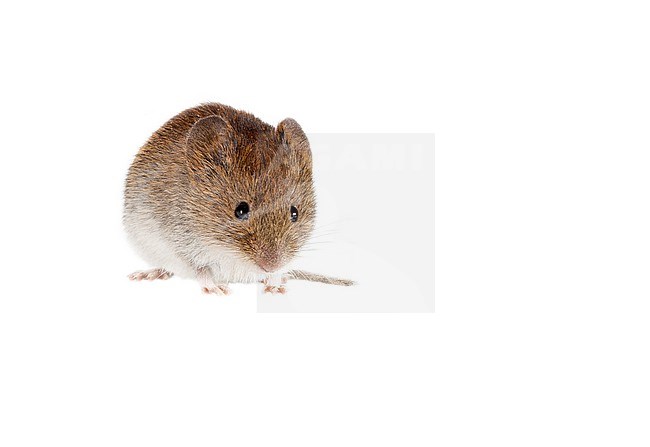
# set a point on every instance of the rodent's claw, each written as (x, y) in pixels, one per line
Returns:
(271, 284)
(217, 289)
(275, 289)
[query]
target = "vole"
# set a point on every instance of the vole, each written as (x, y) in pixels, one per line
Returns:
(218, 195)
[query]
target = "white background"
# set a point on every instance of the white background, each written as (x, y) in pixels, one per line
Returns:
(540, 335)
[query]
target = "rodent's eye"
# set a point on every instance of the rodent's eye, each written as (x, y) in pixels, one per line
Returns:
(294, 214)
(242, 210)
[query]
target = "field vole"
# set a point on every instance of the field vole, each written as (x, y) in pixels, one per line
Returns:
(218, 195)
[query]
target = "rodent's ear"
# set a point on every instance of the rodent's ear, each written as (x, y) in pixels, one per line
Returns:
(293, 136)
(205, 142)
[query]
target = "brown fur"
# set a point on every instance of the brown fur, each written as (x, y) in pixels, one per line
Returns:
(202, 163)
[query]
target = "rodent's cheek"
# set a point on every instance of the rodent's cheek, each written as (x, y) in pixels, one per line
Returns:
(306, 231)
(295, 244)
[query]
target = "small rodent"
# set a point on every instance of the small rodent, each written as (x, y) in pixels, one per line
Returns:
(218, 195)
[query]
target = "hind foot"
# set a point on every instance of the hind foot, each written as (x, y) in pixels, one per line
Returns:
(150, 275)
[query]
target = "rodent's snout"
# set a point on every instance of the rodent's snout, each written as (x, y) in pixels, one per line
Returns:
(269, 262)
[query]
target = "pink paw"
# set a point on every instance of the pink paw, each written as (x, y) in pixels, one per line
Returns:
(217, 289)
(271, 285)
(150, 275)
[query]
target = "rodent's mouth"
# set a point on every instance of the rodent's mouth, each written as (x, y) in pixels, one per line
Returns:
(269, 261)
(268, 268)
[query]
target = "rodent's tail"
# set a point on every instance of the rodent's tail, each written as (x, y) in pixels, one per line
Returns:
(315, 277)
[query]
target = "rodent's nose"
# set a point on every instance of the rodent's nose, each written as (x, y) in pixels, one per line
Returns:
(269, 263)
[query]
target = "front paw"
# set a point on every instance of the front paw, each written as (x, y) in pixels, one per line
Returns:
(217, 289)
(275, 285)
(275, 289)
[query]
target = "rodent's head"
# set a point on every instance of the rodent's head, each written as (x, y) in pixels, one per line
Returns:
(251, 190)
